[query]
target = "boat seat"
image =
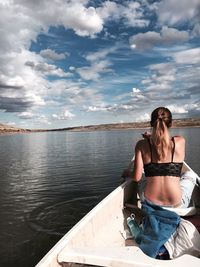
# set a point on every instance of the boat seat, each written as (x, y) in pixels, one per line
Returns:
(118, 256)
(100, 256)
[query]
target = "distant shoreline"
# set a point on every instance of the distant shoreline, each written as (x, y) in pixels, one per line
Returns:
(177, 123)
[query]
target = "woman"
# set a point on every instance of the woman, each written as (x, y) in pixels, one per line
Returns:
(161, 156)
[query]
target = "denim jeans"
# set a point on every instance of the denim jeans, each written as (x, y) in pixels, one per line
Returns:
(187, 183)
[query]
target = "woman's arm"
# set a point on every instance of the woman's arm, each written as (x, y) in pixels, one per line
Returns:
(138, 163)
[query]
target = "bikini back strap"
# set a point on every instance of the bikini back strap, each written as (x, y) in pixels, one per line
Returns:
(173, 149)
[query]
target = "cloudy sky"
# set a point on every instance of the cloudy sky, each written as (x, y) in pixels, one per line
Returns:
(80, 62)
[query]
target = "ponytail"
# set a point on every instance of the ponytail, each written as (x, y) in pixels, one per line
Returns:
(161, 119)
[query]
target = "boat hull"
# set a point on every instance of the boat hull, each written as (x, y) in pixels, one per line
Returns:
(98, 239)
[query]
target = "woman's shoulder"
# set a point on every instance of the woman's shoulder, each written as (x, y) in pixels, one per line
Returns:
(141, 143)
(179, 139)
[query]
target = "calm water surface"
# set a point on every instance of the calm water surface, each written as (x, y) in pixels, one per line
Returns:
(49, 181)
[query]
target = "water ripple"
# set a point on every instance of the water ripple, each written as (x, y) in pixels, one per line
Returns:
(58, 218)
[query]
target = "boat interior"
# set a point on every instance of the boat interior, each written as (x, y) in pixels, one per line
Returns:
(106, 238)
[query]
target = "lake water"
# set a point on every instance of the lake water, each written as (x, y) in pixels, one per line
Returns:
(50, 180)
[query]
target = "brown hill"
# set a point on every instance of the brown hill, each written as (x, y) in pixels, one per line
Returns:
(177, 123)
(4, 128)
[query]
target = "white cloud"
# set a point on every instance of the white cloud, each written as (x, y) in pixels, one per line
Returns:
(137, 94)
(144, 41)
(98, 64)
(132, 13)
(109, 10)
(189, 56)
(144, 117)
(72, 68)
(26, 115)
(36, 98)
(66, 115)
(21, 87)
(196, 30)
(163, 72)
(114, 108)
(21, 21)
(41, 120)
(71, 14)
(73, 94)
(136, 90)
(11, 123)
(162, 68)
(98, 108)
(192, 106)
(176, 109)
(84, 21)
(52, 55)
(171, 12)
(47, 69)
(189, 76)
(159, 87)
(172, 35)
(172, 83)
(162, 78)
(94, 71)
(101, 54)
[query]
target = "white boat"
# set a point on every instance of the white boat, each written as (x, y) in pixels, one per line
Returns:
(98, 239)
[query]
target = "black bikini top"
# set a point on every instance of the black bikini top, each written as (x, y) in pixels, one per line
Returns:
(165, 168)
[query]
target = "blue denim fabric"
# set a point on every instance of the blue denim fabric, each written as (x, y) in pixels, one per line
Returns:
(158, 225)
(187, 183)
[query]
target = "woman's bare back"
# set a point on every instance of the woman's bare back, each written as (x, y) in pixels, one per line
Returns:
(163, 190)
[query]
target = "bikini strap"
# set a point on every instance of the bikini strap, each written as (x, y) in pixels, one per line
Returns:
(150, 148)
(173, 149)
